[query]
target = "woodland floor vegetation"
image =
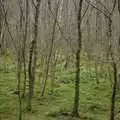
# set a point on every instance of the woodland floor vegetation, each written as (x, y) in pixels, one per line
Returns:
(94, 98)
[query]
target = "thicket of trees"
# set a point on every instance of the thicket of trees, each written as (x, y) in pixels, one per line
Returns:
(39, 35)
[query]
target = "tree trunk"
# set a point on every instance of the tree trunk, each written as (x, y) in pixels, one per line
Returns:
(119, 6)
(19, 91)
(32, 57)
(113, 99)
(75, 112)
(24, 47)
(51, 50)
(112, 56)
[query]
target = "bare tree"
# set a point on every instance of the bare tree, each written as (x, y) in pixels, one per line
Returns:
(51, 48)
(110, 52)
(33, 54)
(24, 45)
(77, 81)
(19, 71)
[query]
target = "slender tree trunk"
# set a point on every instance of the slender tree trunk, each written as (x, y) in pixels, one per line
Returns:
(19, 90)
(32, 57)
(19, 59)
(119, 6)
(113, 99)
(88, 43)
(98, 39)
(51, 50)
(110, 76)
(119, 24)
(53, 70)
(111, 52)
(24, 47)
(75, 112)
(96, 72)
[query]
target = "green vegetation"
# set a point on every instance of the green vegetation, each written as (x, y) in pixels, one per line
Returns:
(94, 98)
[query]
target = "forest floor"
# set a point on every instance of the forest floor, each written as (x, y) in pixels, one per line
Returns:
(95, 99)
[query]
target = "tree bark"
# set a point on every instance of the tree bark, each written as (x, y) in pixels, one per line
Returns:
(75, 112)
(113, 99)
(32, 57)
(19, 91)
(119, 6)
(24, 47)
